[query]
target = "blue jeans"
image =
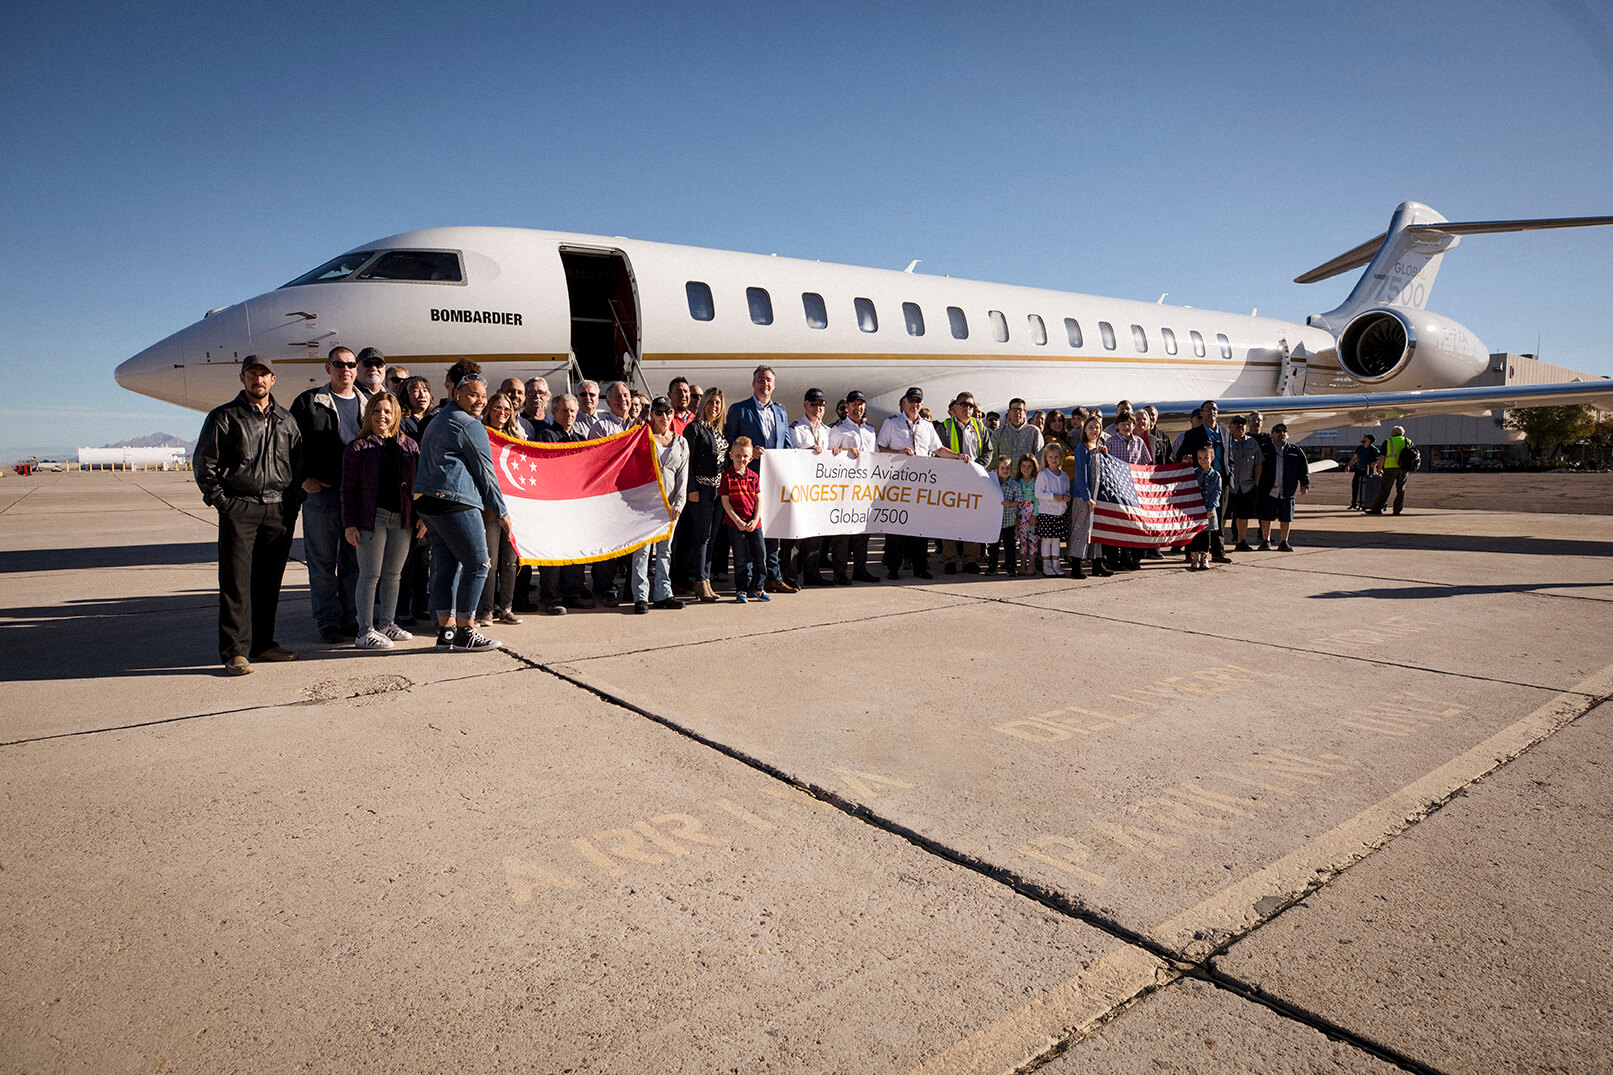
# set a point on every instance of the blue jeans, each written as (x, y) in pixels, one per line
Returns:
(332, 562)
(750, 560)
(639, 572)
(381, 553)
(458, 562)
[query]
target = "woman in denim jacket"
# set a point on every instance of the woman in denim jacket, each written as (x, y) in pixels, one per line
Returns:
(454, 485)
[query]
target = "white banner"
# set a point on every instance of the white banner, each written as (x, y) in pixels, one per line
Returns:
(805, 494)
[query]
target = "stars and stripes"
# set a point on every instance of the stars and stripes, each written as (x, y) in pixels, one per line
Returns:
(1147, 507)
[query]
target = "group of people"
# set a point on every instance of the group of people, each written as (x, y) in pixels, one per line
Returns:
(1376, 474)
(404, 522)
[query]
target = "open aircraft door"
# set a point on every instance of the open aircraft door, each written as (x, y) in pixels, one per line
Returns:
(605, 326)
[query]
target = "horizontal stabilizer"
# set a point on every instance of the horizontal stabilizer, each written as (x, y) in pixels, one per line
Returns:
(1362, 254)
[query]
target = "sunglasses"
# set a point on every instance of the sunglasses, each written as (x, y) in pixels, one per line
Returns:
(345, 365)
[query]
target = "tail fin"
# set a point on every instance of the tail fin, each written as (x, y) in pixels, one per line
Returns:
(1405, 259)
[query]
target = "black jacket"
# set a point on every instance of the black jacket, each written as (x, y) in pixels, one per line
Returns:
(552, 434)
(243, 454)
(322, 445)
(1296, 471)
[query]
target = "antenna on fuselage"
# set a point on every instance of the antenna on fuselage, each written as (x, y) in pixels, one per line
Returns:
(912, 265)
(1161, 300)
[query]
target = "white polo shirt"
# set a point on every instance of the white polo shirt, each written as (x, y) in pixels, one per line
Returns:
(898, 433)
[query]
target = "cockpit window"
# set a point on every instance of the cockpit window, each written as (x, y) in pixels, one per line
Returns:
(334, 269)
(420, 266)
(433, 266)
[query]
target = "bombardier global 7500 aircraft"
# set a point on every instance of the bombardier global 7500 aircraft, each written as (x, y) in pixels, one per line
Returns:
(570, 307)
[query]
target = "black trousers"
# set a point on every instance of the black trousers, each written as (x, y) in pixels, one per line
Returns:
(898, 546)
(1394, 481)
(802, 558)
(850, 553)
(560, 583)
(254, 541)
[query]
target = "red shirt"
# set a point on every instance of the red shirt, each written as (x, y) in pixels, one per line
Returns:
(743, 489)
(681, 420)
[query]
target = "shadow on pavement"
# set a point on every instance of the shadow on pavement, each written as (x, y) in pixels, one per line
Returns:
(1436, 592)
(190, 552)
(1396, 539)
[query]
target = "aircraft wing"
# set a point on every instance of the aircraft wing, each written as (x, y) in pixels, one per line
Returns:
(1303, 413)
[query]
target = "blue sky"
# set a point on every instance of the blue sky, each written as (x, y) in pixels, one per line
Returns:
(163, 159)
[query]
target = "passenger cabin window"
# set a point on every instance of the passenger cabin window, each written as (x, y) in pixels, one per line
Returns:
(1198, 342)
(700, 304)
(1226, 344)
(334, 269)
(1107, 331)
(1072, 329)
(1038, 330)
(999, 326)
(420, 266)
(1170, 340)
(1139, 339)
(817, 314)
(761, 305)
(867, 319)
(914, 318)
(959, 323)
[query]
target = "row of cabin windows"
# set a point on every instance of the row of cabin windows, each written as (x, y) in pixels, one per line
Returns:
(703, 308)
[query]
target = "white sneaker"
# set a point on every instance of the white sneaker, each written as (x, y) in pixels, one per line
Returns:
(372, 639)
(396, 633)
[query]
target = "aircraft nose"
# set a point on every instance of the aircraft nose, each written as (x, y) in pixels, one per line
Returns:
(158, 371)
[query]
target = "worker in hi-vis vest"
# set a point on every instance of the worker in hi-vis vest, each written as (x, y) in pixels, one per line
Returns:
(1394, 474)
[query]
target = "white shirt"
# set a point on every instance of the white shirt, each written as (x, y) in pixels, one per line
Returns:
(606, 424)
(806, 435)
(764, 414)
(849, 434)
(898, 433)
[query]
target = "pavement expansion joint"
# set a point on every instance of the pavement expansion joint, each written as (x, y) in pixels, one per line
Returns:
(1173, 629)
(754, 634)
(20, 499)
(1213, 976)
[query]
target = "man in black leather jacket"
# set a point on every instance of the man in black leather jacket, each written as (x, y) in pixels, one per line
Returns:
(249, 466)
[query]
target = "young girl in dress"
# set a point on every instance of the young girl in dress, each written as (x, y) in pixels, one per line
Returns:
(1025, 521)
(1052, 507)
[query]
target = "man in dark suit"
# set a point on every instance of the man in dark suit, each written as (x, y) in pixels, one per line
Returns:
(768, 426)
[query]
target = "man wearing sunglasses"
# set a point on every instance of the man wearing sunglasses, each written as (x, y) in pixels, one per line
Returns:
(329, 417)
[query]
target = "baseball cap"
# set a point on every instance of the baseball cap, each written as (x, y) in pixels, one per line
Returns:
(256, 360)
(371, 357)
(915, 394)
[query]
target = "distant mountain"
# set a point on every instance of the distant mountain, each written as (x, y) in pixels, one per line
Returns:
(156, 440)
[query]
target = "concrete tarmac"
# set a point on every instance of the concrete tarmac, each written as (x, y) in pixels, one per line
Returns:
(1341, 810)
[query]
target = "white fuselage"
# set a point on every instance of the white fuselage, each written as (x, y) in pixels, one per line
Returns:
(526, 298)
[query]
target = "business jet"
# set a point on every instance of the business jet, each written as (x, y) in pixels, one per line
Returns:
(570, 307)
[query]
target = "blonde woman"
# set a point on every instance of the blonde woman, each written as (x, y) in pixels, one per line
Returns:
(708, 451)
(378, 472)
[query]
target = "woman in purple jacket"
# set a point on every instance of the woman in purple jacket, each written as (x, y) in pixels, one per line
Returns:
(378, 514)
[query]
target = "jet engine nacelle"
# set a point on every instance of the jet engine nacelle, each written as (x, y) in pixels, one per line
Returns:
(1412, 348)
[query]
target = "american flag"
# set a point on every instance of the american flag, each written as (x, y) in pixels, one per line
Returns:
(1144, 507)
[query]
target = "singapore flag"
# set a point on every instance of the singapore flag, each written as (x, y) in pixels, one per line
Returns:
(578, 503)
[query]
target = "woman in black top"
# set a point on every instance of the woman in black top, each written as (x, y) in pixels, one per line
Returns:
(708, 451)
(378, 518)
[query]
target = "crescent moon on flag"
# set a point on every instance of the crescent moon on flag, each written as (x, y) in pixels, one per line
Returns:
(504, 463)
